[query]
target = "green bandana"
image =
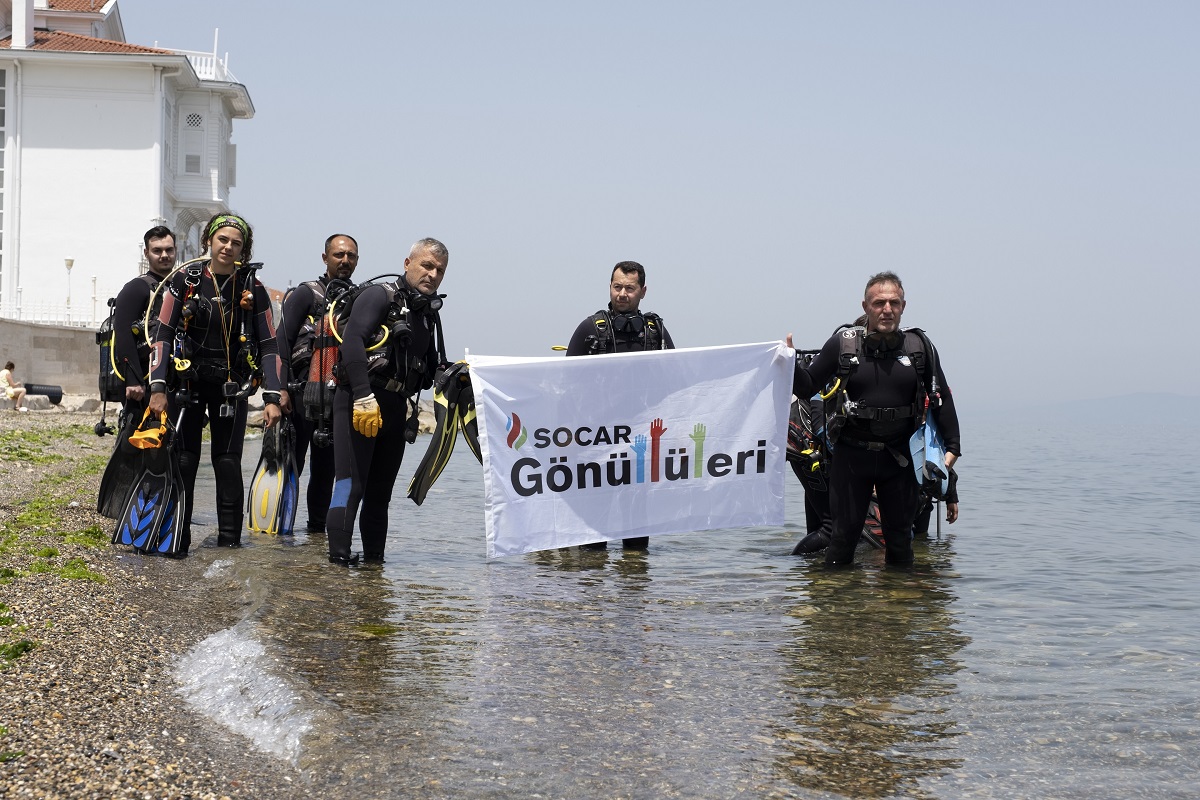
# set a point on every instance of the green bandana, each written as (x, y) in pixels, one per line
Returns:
(229, 221)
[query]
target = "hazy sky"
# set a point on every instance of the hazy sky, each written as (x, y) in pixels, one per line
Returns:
(1031, 170)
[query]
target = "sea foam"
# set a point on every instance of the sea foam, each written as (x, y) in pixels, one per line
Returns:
(231, 678)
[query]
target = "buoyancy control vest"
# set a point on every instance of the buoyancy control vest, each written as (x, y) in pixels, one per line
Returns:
(881, 424)
(390, 365)
(315, 352)
(644, 327)
(239, 364)
(112, 381)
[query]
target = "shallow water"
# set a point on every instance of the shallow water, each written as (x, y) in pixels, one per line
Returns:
(1043, 646)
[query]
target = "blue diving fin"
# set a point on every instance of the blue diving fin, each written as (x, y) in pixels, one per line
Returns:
(147, 509)
(291, 480)
(170, 530)
(929, 459)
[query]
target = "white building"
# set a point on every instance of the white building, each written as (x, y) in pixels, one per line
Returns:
(102, 139)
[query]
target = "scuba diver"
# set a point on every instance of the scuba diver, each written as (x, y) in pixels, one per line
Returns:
(215, 343)
(886, 381)
(131, 352)
(622, 328)
(124, 374)
(391, 347)
(305, 337)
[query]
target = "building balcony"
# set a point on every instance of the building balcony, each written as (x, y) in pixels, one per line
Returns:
(209, 67)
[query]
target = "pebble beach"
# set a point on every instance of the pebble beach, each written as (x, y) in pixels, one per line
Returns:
(88, 706)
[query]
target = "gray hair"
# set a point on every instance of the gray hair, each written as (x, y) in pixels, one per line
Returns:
(435, 248)
(883, 277)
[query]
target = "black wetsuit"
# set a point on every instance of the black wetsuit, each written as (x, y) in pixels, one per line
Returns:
(132, 354)
(618, 333)
(300, 304)
(211, 343)
(366, 467)
(868, 453)
(610, 332)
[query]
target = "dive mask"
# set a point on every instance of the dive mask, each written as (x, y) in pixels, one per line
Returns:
(628, 323)
(876, 343)
(149, 434)
(419, 303)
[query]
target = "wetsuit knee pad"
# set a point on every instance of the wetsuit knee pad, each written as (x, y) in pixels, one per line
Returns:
(228, 467)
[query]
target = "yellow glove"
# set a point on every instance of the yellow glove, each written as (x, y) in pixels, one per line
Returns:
(367, 419)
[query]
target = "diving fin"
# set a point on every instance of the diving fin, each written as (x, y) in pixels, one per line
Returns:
(153, 505)
(170, 530)
(275, 487)
(929, 459)
(447, 392)
(121, 473)
(468, 421)
(291, 479)
(873, 526)
(266, 487)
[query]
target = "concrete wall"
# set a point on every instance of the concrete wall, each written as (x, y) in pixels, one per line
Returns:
(66, 357)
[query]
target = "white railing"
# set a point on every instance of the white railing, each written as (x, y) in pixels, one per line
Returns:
(208, 67)
(55, 314)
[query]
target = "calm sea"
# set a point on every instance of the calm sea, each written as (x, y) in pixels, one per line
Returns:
(1045, 646)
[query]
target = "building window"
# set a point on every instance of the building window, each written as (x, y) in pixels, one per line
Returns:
(168, 138)
(193, 144)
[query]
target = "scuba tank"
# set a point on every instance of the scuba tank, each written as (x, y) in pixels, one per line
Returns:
(111, 383)
(317, 345)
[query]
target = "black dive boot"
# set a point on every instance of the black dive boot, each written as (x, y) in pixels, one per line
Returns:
(840, 552)
(815, 542)
(339, 549)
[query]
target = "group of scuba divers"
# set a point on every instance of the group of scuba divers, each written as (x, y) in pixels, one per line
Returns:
(188, 345)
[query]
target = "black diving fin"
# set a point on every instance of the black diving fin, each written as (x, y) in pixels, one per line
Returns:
(468, 423)
(271, 503)
(453, 408)
(152, 518)
(122, 471)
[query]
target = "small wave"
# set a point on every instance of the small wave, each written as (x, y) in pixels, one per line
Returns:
(219, 568)
(230, 678)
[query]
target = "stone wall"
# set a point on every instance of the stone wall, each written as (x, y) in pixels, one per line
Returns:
(66, 357)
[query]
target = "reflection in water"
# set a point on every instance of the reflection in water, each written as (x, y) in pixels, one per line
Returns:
(872, 660)
(378, 651)
(717, 666)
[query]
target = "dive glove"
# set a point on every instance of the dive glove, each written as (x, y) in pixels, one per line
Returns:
(367, 419)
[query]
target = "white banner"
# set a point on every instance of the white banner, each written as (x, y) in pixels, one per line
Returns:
(579, 450)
